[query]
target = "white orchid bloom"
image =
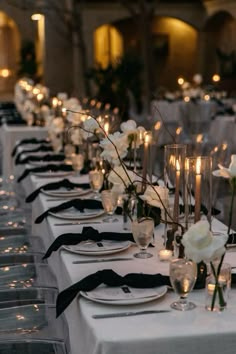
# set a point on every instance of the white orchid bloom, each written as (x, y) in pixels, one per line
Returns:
(120, 177)
(108, 145)
(227, 172)
(130, 128)
(200, 244)
(156, 196)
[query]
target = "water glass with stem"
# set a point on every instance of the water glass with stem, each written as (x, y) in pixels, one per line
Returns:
(77, 161)
(96, 178)
(142, 230)
(109, 202)
(183, 275)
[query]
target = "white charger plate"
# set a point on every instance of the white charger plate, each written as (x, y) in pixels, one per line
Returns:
(73, 214)
(160, 291)
(91, 248)
(66, 193)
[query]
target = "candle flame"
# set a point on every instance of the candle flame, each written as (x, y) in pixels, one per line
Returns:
(224, 146)
(157, 126)
(186, 99)
(180, 81)
(178, 130)
(148, 137)
(106, 128)
(54, 102)
(177, 165)
(199, 138)
(198, 166)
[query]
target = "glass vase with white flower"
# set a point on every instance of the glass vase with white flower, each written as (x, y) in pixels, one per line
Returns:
(201, 246)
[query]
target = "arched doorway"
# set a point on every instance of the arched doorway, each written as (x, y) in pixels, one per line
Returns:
(174, 48)
(9, 53)
(220, 47)
(108, 45)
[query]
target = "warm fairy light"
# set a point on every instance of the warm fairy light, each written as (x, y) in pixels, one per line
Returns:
(106, 128)
(179, 130)
(54, 102)
(36, 91)
(28, 87)
(198, 166)
(157, 126)
(207, 97)
(5, 73)
(36, 17)
(180, 81)
(199, 138)
(216, 78)
(186, 99)
(39, 97)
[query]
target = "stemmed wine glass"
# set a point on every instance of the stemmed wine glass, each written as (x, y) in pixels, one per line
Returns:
(77, 161)
(183, 275)
(142, 230)
(96, 181)
(109, 203)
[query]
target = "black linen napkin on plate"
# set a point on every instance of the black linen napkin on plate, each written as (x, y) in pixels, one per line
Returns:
(28, 141)
(79, 204)
(50, 167)
(88, 233)
(109, 278)
(41, 148)
(56, 185)
(46, 158)
(231, 239)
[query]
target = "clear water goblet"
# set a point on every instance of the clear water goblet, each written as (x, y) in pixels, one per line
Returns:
(96, 181)
(183, 275)
(142, 230)
(109, 203)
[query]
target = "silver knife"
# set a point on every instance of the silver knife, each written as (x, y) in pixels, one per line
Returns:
(128, 313)
(102, 260)
(77, 223)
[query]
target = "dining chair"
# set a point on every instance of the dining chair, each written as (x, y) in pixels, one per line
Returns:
(32, 329)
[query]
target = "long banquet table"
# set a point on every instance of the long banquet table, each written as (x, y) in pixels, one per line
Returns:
(196, 331)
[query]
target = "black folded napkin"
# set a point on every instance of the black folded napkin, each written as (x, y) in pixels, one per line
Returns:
(51, 167)
(28, 141)
(204, 210)
(79, 204)
(47, 158)
(43, 148)
(231, 239)
(56, 185)
(88, 233)
(109, 278)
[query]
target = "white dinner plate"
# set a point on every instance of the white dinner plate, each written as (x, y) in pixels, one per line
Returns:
(63, 192)
(52, 174)
(73, 214)
(92, 248)
(112, 299)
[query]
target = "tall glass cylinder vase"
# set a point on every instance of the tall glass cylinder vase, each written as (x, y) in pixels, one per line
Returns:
(198, 195)
(174, 179)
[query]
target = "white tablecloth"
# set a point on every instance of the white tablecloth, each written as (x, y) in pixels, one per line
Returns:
(9, 135)
(196, 331)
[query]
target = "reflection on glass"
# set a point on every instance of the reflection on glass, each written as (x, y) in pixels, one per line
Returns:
(77, 163)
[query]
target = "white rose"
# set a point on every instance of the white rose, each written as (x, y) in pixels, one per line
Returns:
(119, 177)
(156, 196)
(109, 151)
(227, 172)
(201, 245)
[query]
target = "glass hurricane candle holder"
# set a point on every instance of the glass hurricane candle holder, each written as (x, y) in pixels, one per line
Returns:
(198, 194)
(174, 179)
(109, 203)
(143, 230)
